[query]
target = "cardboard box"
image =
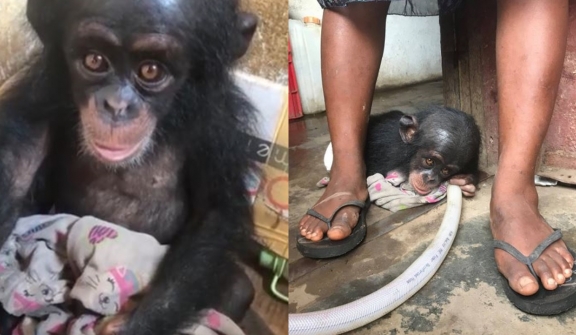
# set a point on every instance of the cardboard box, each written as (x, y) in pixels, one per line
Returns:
(270, 149)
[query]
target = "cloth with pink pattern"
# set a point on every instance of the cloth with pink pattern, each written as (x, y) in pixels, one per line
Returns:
(394, 193)
(109, 264)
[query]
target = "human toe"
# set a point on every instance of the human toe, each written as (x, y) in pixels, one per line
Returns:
(339, 232)
(544, 268)
(314, 235)
(564, 268)
(343, 224)
(519, 277)
(524, 284)
(554, 262)
(562, 250)
(313, 229)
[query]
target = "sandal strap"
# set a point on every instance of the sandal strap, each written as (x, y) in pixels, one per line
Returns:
(328, 221)
(528, 260)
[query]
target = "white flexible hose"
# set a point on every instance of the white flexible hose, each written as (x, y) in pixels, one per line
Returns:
(328, 157)
(358, 313)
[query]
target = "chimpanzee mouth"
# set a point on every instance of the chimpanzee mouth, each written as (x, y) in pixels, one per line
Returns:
(115, 153)
(419, 190)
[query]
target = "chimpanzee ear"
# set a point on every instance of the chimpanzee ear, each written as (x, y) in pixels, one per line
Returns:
(45, 17)
(408, 128)
(246, 25)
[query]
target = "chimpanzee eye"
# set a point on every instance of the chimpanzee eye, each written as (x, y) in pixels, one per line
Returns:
(95, 62)
(429, 161)
(445, 171)
(151, 72)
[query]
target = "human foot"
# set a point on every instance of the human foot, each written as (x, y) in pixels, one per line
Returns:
(515, 219)
(339, 191)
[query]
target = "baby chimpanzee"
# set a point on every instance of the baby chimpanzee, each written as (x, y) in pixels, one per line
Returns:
(131, 114)
(428, 148)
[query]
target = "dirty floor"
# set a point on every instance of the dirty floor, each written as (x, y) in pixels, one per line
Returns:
(464, 297)
(267, 315)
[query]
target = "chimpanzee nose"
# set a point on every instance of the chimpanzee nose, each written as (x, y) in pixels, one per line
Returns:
(116, 106)
(117, 103)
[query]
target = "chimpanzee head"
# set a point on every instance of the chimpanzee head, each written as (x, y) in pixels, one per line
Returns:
(447, 143)
(127, 61)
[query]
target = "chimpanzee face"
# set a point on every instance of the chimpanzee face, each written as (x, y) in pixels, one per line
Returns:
(129, 60)
(123, 80)
(428, 169)
(447, 143)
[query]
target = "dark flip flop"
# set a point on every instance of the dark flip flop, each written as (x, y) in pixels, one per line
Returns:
(543, 302)
(327, 248)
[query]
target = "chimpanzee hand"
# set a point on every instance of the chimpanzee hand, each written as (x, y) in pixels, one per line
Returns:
(112, 326)
(467, 183)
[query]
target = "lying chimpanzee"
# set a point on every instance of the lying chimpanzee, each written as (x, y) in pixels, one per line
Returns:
(429, 147)
(432, 146)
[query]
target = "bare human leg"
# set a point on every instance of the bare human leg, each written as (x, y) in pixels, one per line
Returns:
(352, 48)
(530, 48)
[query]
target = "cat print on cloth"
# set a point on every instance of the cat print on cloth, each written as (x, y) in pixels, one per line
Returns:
(8, 260)
(113, 264)
(33, 293)
(109, 264)
(35, 287)
(106, 292)
(99, 233)
(394, 193)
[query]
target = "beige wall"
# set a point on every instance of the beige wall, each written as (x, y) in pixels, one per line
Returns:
(17, 41)
(268, 55)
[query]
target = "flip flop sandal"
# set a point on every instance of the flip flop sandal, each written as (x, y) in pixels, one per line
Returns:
(543, 302)
(327, 248)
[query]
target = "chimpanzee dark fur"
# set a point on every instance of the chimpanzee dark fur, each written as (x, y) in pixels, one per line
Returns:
(451, 133)
(188, 190)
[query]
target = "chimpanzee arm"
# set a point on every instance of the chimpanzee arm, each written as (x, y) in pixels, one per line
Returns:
(198, 270)
(193, 275)
(23, 146)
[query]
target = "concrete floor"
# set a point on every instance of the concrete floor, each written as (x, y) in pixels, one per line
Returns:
(464, 297)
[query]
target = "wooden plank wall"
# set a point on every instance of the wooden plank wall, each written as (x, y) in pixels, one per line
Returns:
(467, 38)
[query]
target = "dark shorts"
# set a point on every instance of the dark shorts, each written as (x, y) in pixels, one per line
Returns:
(403, 7)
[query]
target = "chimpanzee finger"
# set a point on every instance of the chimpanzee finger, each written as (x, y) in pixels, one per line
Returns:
(468, 189)
(459, 182)
(461, 179)
(113, 325)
